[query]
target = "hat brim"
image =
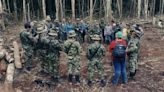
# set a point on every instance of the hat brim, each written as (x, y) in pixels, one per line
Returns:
(52, 34)
(97, 39)
(72, 35)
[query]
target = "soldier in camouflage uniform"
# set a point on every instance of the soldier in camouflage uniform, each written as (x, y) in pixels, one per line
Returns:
(73, 49)
(132, 51)
(27, 44)
(5, 59)
(50, 48)
(95, 54)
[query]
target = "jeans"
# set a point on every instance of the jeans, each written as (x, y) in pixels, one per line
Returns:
(108, 39)
(120, 69)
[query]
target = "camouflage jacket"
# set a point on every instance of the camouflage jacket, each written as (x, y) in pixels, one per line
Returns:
(132, 46)
(26, 39)
(72, 48)
(95, 51)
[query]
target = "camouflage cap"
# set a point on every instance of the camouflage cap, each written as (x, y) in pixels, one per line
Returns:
(96, 37)
(40, 28)
(52, 32)
(72, 34)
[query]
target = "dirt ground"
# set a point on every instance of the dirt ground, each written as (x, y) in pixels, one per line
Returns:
(149, 78)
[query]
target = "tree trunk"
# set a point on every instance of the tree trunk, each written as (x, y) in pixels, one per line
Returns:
(15, 11)
(24, 11)
(61, 9)
(73, 8)
(162, 6)
(139, 9)
(64, 8)
(153, 10)
(2, 25)
(8, 6)
(109, 9)
(28, 8)
(44, 8)
(4, 4)
(57, 9)
(91, 11)
(146, 9)
(119, 4)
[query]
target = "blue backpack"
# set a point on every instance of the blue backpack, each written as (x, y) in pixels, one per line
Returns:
(119, 51)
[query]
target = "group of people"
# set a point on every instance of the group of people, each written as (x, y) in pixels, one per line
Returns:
(47, 38)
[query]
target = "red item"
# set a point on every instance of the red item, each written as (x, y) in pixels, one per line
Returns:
(113, 44)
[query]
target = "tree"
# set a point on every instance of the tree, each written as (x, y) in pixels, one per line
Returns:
(91, 11)
(2, 25)
(44, 8)
(15, 10)
(139, 9)
(61, 9)
(57, 9)
(109, 9)
(73, 8)
(146, 9)
(24, 11)
(119, 3)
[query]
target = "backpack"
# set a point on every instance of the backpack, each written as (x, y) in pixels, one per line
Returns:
(119, 51)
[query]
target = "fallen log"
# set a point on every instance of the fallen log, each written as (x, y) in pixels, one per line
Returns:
(17, 61)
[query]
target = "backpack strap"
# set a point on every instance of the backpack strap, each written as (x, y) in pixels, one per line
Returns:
(95, 52)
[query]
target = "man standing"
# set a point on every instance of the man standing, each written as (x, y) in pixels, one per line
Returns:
(73, 49)
(27, 44)
(95, 54)
(50, 62)
(117, 49)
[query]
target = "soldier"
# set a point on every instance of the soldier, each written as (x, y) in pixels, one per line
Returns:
(73, 49)
(5, 59)
(48, 23)
(132, 51)
(51, 47)
(102, 27)
(27, 44)
(95, 54)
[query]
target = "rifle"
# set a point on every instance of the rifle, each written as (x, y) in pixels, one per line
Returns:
(94, 53)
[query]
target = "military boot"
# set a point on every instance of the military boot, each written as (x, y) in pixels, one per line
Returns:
(70, 78)
(131, 76)
(77, 78)
(102, 83)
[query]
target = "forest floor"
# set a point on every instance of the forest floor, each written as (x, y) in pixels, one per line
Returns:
(149, 78)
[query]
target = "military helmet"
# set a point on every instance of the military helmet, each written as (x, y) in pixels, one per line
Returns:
(40, 28)
(96, 37)
(72, 34)
(48, 18)
(52, 32)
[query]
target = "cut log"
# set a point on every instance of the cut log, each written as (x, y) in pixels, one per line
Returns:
(17, 61)
(10, 73)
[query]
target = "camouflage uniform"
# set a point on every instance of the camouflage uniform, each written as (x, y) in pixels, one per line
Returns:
(50, 55)
(95, 54)
(27, 44)
(73, 49)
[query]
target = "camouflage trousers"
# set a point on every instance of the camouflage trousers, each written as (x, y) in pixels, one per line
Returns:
(28, 54)
(74, 65)
(133, 64)
(50, 65)
(95, 65)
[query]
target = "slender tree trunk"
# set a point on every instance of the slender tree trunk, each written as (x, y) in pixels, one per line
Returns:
(146, 9)
(28, 8)
(83, 5)
(24, 11)
(4, 4)
(162, 7)
(109, 9)
(73, 8)
(61, 9)
(91, 11)
(15, 10)
(8, 6)
(153, 11)
(119, 4)
(2, 25)
(139, 9)
(64, 8)
(44, 8)
(57, 9)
